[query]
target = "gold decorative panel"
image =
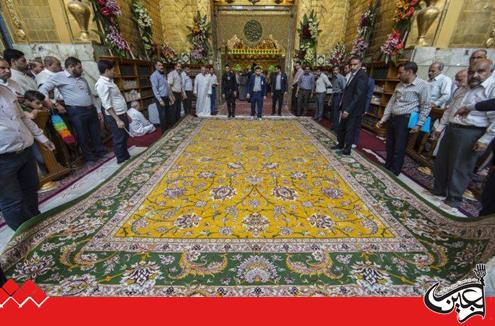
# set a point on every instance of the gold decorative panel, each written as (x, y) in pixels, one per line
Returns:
(476, 20)
(273, 24)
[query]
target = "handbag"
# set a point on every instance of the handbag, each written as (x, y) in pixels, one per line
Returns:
(62, 130)
(413, 121)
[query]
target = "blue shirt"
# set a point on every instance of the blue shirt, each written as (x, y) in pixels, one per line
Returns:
(307, 81)
(159, 84)
(74, 90)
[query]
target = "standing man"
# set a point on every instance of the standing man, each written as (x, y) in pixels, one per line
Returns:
(322, 83)
(115, 108)
(18, 171)
(279, 88)
(35, 67)
(440, 85)
(297, 74)
(178, 93)
(338, 86)
(229, 90)
(412, 94)
(353, 106)
(52, 66)
(160, 89)
(202, 90)
(465, 139)
(305, 88)
(188, 89)
(257, 93)
(80, 107)
(369, 96)
(19, 69)
(214, 84)
(488, 196)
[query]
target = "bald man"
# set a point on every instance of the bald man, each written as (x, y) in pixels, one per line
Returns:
(466, 138)
(440, 85)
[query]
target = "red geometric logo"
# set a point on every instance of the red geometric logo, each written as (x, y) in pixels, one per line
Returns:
(29, 291)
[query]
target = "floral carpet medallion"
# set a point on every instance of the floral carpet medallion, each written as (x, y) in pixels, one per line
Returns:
(247, 208)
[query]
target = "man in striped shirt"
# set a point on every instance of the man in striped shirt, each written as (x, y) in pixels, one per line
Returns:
(412, 94)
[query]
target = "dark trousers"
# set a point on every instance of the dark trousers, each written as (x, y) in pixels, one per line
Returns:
(335, 110)
(455, 162)
(87, 127)
(488, 197)
(277, 98)
(397, 135)
(213, 100)
(294, 100)
(230, 99)
(302, 101)
(188, 102)
(320, 105)
(19, 183)
(177, 107)
(357, 131)
(164, 114)
(345, 132)
(257, 104)
(3, 279)
(119, 137)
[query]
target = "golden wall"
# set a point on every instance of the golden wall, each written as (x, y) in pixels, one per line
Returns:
(476, 21)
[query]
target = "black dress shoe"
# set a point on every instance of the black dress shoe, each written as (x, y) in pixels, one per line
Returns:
(344, 152)
(336, 147)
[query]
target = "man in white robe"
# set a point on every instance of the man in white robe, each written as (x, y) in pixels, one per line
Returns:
(139, 125)
(202, 91)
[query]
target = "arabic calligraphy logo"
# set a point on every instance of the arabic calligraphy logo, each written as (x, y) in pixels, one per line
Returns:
(466, 296)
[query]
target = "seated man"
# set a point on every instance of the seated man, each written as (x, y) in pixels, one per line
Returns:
(139, 125)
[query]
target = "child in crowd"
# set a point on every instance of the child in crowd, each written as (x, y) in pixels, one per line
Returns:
(33, 104)
(139, 125)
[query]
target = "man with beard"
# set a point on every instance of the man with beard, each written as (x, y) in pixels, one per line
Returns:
(466, 138)
(161, 91)
(178, 94)
(80, 107)
(353, 106)
(229, 90)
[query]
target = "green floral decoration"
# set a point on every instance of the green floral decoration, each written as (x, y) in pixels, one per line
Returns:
(308, 38)
(143, 20)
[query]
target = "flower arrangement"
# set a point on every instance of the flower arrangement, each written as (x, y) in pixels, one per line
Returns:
(392, 46)
(308, 38)
(168, 54)
(117, 41)
(404, 12)
(365, 30)
(106, 14)
(143, 21)
(338, 55)
(199, 37)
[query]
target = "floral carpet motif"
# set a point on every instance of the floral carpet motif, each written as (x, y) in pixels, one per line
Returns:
(247, 208)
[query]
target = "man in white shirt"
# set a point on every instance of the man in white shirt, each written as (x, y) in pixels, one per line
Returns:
(52, 66)
(115, 108)
(466, 138)
(322, 83)
(188, 89)
(175, 82)
(18, 171)
(19, 69)
(139, 125)
(213, 86)
(440, 85)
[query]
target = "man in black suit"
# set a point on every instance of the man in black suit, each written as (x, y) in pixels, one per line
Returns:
(229, 90)
(352, 106)
(279, 88)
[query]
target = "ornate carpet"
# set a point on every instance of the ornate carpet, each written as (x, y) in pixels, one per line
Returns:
(247, 208)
